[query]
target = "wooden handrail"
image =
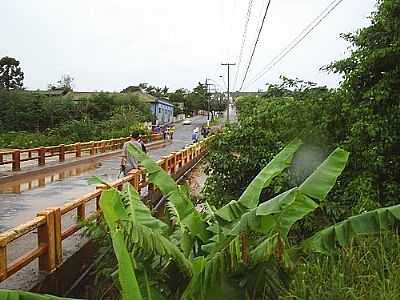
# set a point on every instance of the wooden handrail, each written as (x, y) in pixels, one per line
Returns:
(49, 222)
(40, 153)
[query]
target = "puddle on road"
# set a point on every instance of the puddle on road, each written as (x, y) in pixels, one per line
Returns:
(41, 180)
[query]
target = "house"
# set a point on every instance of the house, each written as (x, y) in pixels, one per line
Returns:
(162, 110)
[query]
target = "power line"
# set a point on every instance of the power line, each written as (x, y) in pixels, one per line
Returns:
(297, 40)
(255, 45)
(244, 38)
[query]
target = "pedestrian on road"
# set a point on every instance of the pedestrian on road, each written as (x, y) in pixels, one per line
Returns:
(164, 133)
(195, 135)
(171, 132)
(141, 142)
(128, 162)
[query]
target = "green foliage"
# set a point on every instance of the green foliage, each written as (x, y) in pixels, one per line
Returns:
(251, 254)
(366, 269)
(11, 75)
(182, 205)
(54, 120)
(361, 116)
(114, 213)
(20, 295)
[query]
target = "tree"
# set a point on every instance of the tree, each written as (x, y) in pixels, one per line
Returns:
(371, 90)
(11, 75)
(65, 84)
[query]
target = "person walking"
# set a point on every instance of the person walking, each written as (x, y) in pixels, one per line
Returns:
(128, 162)
(164, 133)
(171, 132)
(195, 135)
(141, 142)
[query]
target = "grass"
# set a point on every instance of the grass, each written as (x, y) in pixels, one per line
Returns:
(369, 269)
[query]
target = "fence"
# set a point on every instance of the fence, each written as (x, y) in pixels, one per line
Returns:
(18, 156)
(48, 223)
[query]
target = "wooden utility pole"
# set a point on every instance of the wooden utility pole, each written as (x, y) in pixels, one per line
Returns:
(227, 109)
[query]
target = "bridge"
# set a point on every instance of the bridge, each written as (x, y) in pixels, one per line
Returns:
(40, 204)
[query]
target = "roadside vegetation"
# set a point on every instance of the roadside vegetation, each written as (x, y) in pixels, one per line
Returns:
(362, 117)
(246, 249)
(30, 120)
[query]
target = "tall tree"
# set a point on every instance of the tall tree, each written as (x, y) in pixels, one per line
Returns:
(65, 84)
(11, 75)
(372, 88)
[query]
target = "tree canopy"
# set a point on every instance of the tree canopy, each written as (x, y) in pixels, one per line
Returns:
(11, 75)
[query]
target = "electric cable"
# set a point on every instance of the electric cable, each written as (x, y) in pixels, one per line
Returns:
(255, 44)
(296, 41)
(244, 38)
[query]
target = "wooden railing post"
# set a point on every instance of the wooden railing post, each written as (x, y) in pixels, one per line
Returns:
(16, 157)
(46, 237)
(81, 212)
(42, 156)
(173, 162)
(100, 187)
(78, 149)
(3, 262)
(92, 148)
(57, 235)
(1, 157)
(135, 178)
(61, 153)
(164, 163)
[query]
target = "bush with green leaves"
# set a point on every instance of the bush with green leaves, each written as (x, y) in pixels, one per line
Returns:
(31, 120)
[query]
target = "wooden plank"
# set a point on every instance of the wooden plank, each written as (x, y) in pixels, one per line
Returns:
(81, 211)
(20, 230)
(3, 263)
(46, 237)
(25, 259)
(70, 231)
(57, 237)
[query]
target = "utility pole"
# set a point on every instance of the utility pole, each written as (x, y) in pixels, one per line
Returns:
(227, 109)
(208, 101)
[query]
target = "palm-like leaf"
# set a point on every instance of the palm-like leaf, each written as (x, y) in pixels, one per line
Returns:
(250, 197)
(138, 212)
(322, 180)
(111, 205)
(371, 222)
(280, 213)
(185, 209)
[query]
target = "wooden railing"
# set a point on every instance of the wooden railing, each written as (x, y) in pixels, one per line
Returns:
(18, 156)
(48, 223)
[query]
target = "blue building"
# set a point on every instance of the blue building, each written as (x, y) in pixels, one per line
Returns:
(162, 110)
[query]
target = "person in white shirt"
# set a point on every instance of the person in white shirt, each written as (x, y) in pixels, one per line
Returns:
(128, 162)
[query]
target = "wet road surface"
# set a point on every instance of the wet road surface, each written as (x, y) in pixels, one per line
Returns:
(20, 201)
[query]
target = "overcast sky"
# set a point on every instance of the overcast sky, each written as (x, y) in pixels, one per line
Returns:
(110, 44)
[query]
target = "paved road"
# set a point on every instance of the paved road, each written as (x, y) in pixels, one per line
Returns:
(21, 202)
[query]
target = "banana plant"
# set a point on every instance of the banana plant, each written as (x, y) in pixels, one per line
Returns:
(243, 251)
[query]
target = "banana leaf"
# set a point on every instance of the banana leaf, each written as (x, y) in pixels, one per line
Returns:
(250, 197)
(22, 295)
(138, 212)
(321, 181)
(341, 234)
(280, 213)
(185, 209)
(111, 205)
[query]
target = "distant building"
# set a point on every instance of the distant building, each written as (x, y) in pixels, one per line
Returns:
(162, 110)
